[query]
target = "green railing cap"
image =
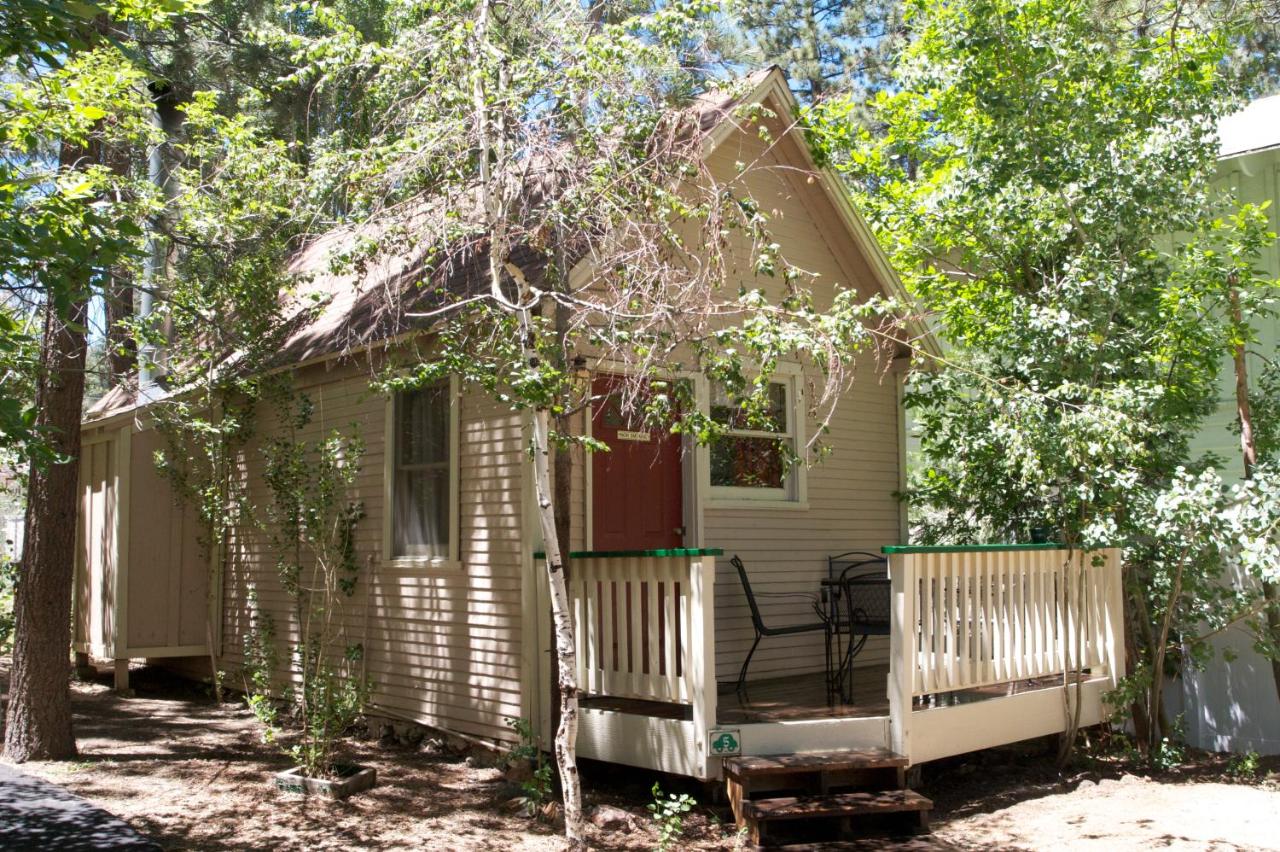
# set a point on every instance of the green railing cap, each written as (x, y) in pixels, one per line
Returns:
(968, 548)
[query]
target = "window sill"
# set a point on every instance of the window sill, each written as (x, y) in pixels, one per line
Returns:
(418, 564)
(762, 503)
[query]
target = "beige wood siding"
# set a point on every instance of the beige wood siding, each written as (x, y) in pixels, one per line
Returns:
(95, 610)
(168, 571)
(140, 572)
(850, 502)
(442, 644)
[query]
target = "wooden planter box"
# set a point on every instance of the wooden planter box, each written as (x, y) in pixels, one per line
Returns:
(351, 779)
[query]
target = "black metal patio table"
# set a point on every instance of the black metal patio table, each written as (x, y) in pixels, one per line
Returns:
(854, 606)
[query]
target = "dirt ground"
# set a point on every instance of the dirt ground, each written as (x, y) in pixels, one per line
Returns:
(194, 776)
(1014, 799)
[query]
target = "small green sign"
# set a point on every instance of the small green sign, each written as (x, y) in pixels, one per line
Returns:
(725, 742)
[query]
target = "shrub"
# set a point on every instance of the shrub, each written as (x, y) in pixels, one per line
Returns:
(312, 520)
(8, 585)
(536, 791)
(669, 812)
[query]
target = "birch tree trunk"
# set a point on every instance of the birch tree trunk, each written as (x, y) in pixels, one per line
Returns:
(1249, 455)
(566, 738)
(216, 532)
(497, 195)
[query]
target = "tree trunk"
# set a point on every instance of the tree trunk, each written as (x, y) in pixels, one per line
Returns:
(117, 298)
(217, 538)
(563, 466)
(1146, 720)
(496, 197)
(1249, 455)
(1072, 710)
(162, 166)
(118, 307)
(562, 622)
(1271, 593)
(38, 725)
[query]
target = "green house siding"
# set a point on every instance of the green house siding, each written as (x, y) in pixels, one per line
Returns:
(1254, 178)
(1232, 704)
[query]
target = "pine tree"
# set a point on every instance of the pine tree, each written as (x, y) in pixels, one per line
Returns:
(825, 46)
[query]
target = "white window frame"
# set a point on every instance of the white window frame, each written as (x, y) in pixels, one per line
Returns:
(452, 561)
(794, 494)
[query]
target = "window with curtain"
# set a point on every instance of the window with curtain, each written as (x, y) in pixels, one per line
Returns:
(420, 493)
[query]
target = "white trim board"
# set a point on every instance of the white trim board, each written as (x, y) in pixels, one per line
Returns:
(668, 745)
(813, 735)
(939, 732)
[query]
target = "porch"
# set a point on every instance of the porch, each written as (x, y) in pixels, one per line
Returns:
(987, 646)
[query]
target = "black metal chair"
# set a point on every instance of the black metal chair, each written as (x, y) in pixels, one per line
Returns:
(843, 563)
(861, 607)
(758, 623)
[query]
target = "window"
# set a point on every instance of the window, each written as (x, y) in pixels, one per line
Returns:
(421, 473)
(750, 460)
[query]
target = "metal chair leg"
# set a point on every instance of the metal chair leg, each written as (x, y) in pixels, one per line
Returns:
(846, 667)
(830, 680)
(742, 675)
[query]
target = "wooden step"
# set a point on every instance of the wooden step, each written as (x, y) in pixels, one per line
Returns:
(835, 805)
(867, 844)
(756, 766)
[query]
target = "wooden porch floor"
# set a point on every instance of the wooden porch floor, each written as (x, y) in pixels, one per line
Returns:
(804, 697)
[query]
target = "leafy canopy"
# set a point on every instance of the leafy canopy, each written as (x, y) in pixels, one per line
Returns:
(1033, 164)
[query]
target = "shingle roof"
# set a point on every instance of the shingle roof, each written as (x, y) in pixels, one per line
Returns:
(343, 309)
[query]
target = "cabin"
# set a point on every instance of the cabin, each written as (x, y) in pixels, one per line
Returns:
(1232, 704)
(734, 618)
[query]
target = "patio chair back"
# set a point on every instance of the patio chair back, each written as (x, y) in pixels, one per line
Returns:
(867, 603)
(756, 621)
(761, 630)
(864, 587)
(842, 564)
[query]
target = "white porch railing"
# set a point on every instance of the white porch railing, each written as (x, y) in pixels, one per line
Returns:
(644, 625)
(644, 630)
(963, 619)
(967, 618)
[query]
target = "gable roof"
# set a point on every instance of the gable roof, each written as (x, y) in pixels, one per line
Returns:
(772, 85)
(335, 312)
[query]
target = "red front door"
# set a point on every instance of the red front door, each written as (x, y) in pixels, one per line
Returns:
(636, 487)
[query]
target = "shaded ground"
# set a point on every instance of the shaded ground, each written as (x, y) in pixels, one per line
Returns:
(193, 776)
(190, 775)
(35, 814)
